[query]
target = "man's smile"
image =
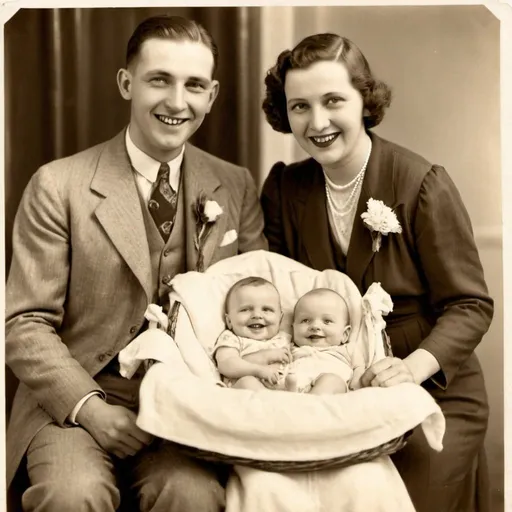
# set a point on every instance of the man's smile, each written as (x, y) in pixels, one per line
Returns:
(170, 121)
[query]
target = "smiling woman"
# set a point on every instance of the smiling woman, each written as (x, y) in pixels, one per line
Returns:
(324, 93)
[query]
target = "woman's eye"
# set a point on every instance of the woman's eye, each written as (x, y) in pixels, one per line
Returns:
(298, 107)
(334, 100)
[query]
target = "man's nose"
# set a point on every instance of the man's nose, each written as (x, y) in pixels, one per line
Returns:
(175, 100)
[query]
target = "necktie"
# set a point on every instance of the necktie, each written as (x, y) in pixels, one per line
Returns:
(162, 202)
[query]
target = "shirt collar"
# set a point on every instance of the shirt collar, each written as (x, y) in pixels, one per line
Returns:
(148, 167)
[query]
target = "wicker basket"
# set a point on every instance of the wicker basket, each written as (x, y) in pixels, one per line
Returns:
(290, 466)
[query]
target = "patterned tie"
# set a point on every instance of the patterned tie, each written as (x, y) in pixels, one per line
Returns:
(162, 202)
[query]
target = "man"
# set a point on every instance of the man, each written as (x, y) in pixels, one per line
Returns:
(98, 236)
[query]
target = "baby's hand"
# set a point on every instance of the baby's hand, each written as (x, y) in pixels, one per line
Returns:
(269, 373)
(279, 355)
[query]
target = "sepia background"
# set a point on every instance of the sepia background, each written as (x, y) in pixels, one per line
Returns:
(442, 62)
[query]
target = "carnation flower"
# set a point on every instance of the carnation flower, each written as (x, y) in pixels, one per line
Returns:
(380, 220)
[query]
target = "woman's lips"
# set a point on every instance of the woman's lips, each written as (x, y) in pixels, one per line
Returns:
(324, 141)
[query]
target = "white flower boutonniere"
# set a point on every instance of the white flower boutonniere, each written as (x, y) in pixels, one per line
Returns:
(206, 213)
(380, 220)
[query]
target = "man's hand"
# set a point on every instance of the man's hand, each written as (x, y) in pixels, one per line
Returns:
(113, 427)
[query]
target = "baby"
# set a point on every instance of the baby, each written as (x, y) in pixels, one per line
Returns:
(321, 363)
(252, 352)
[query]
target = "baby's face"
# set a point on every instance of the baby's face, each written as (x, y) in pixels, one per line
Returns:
(254, 312)
(321, 321)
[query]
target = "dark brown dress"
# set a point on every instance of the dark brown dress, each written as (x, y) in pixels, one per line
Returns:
(433, 273)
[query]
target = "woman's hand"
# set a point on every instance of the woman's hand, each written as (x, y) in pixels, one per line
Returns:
(387, 372)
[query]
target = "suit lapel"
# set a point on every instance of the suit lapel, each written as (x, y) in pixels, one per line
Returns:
(199, 178)
(120, 212)
(313, 219)
(378, 183)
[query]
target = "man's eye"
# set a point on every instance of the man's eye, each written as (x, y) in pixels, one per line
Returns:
(158, 80)
(197, 86)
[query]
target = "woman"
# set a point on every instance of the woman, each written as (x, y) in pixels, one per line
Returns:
(421, 249)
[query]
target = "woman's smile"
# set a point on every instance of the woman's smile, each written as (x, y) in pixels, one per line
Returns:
(324, 141)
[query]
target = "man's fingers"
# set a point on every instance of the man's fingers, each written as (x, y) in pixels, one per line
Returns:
(140, 435)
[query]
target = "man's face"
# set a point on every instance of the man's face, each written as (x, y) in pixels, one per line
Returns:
(171, 90)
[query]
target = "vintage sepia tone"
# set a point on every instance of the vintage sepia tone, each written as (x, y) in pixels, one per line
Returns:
(442, 63)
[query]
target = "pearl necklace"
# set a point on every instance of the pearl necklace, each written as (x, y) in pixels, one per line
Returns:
(340, 210)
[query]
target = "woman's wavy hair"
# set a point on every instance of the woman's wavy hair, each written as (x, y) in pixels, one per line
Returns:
(324, 47)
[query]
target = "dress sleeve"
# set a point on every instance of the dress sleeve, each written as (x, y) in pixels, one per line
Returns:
(271, 202)
(227, 339)
(451, 266)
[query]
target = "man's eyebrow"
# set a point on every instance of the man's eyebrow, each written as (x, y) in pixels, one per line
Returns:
(161, 72)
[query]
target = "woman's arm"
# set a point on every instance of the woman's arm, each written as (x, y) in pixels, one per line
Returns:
(449, 262)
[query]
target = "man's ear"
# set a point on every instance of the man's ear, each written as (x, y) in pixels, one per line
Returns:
(124, 82)
(345, 334)
(214, 91)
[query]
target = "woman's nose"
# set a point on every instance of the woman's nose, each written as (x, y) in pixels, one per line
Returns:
(319, 120)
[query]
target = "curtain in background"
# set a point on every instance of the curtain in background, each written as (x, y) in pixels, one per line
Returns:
(61, 94)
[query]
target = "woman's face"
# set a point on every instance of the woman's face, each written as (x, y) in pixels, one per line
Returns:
(326, 113)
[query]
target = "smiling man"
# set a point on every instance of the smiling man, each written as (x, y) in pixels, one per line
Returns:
(98, 236)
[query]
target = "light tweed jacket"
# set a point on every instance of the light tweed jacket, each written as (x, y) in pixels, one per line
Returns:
(80, 278)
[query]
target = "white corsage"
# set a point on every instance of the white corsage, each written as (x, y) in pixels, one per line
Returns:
(380, 220)
(206, 212)
(229, 237)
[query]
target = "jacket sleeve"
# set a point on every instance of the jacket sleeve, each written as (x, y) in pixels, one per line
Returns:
(251, 237)
(35, 300)
(451, 266)
(272, 203)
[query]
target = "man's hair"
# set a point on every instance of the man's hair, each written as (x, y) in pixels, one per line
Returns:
(246, 281)
(174, 28)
